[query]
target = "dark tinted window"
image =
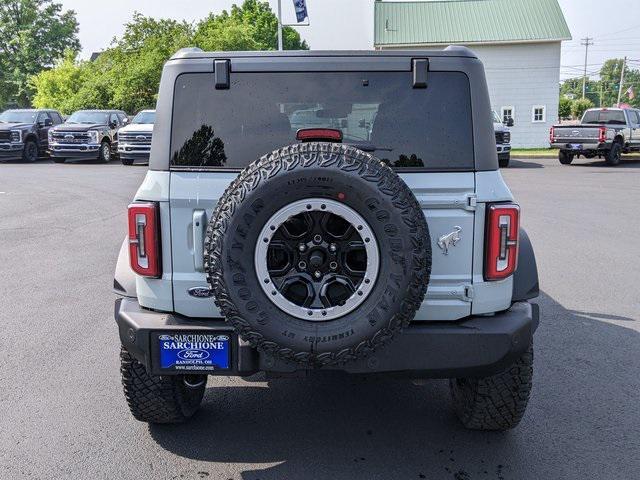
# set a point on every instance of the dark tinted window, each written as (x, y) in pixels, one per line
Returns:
(17, 116)
(144, 117)
(608, 117)
(89, 117)
(376, 111)
(57, 119)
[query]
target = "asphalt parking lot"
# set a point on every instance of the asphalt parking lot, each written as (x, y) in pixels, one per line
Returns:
(63, 415)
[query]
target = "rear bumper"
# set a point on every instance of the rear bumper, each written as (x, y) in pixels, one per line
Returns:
(474, 347)
(586, 145)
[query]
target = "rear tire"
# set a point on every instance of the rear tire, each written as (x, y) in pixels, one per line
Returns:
(565, 157)
(127, 161)
(497, 402)
(614, 155)
(158, 399)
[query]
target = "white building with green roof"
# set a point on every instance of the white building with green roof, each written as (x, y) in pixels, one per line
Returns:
(517, 40)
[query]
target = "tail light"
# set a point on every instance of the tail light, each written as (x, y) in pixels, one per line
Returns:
(552, 135)
(501, 248)
(144, 239)
(602, 134)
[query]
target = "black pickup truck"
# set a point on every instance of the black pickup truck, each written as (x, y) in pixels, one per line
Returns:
(87, 135)
(23, 133)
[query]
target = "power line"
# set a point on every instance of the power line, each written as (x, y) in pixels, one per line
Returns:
(611, 34)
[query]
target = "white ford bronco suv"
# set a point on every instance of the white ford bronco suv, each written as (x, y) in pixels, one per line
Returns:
(378, 238)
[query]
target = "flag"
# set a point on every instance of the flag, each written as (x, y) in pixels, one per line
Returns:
(301, 9)
(631, 93)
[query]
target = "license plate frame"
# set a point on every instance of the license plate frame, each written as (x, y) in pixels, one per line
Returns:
(192, 352)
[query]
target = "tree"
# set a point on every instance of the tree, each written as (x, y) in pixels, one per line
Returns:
(604, 91)
(253, 26)
(127, 75)
(34, 34)
(610, 78)
(564, 109)
(134, 63)
(572, 88)
(580, 106)
(59, 86)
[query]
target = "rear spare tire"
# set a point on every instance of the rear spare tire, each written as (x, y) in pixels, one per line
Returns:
(318, 253)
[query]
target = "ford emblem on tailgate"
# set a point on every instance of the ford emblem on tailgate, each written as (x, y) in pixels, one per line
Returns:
(200, 292)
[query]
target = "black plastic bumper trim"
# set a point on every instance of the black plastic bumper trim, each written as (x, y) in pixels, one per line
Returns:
(474, 347)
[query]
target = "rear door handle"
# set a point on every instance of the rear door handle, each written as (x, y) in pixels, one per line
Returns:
(199, 226)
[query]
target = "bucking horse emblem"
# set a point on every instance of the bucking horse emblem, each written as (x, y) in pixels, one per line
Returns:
(449, 240)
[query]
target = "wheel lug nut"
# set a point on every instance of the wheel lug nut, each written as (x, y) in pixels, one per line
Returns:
(333, 247)
(317, 239)
(302, 265)
(333, 265)
(318, 274)
(302, 247)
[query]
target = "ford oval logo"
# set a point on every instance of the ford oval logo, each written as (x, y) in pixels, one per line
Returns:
(575, 133)
(141, 138)
(200, 292)
(193, 355)
(69, 137)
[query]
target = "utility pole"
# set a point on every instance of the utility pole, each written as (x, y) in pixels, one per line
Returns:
(586, 42)
(280, 46)
(624, 64)
(601, 92)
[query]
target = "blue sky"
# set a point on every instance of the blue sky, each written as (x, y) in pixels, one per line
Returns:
(348, 24)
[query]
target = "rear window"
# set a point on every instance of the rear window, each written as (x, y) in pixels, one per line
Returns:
(606, 117)
(380, 112)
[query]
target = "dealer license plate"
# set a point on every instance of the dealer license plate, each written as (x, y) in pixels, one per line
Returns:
(194, 351)
(576, 146)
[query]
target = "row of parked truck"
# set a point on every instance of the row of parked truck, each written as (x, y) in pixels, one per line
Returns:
(85, 135)
(100, 134)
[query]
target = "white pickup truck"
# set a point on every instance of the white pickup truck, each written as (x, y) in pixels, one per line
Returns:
(603, 132)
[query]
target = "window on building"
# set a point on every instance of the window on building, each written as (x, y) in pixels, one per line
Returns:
(507, 113)
(539, 114)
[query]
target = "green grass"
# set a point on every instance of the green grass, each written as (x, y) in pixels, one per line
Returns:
(535, 152)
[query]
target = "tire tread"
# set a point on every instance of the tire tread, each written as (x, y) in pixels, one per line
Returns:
(497, 402)
(156, 399)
